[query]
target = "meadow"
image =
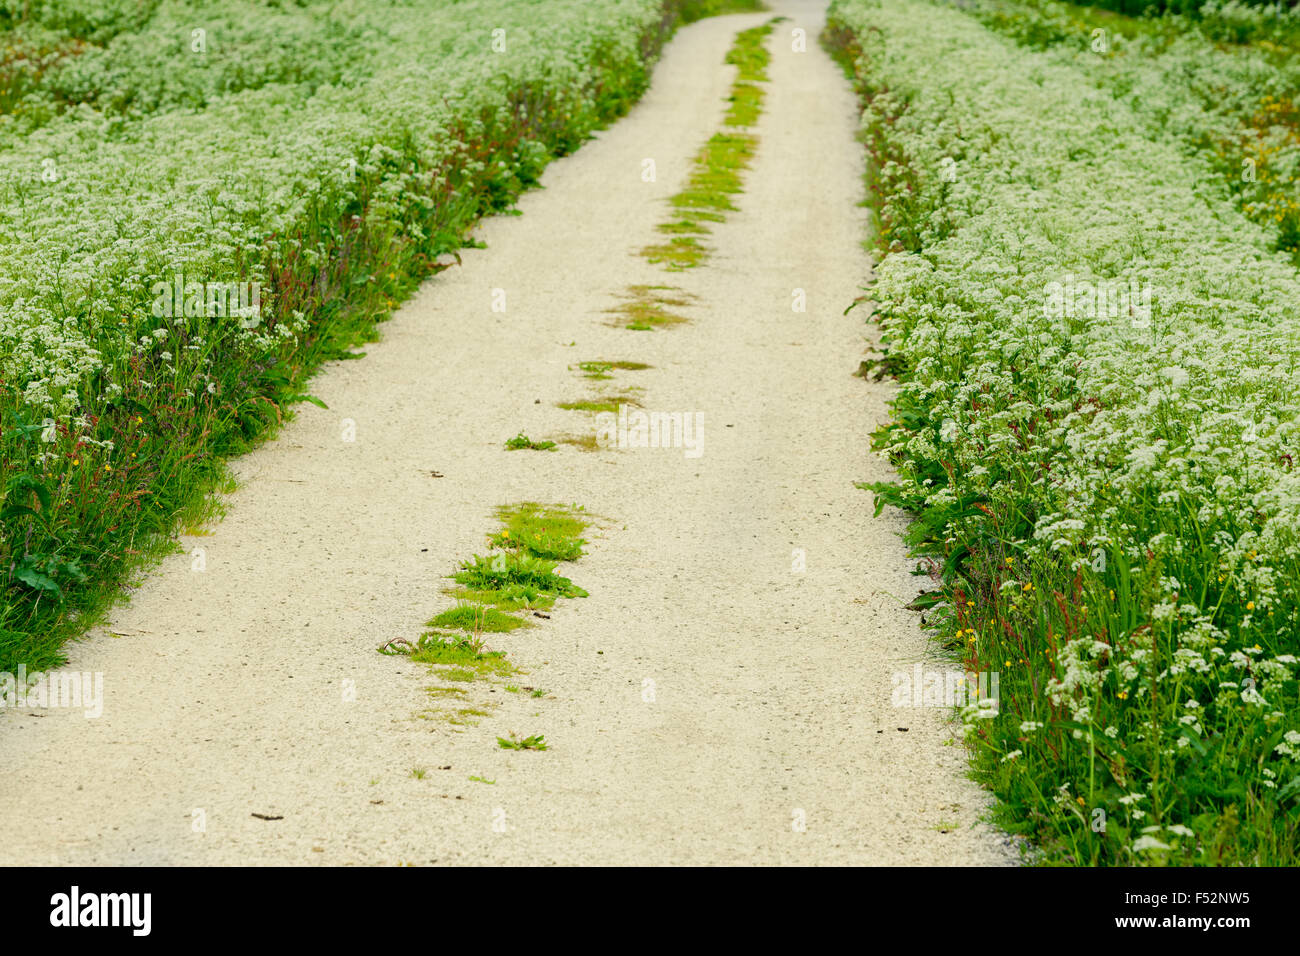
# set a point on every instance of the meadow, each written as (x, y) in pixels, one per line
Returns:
(1096, 338)
(1223, 85)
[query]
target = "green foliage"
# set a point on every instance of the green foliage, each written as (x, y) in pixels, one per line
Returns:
(461, 658)
(503, 571)
(1236, 108)
(542, 531)
(601, 370)
(693, 10)
(475, 618)
(522, 441)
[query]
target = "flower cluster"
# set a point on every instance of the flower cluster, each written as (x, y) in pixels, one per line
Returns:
(1234, 107)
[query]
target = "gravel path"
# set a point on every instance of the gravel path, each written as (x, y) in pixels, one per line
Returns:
(230, 693)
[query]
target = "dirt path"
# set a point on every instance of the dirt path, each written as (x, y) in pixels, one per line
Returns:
(772, 689)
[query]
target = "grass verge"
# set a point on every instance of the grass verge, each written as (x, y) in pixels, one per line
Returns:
(1102, 492)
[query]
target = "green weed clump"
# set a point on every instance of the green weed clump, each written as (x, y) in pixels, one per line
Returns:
(716, 173)
(600, 370)
(647, 307)
(522, 441)
(461, 658)
(598, 405)
(492, 590)
(476, 618)
(542, 531)
(515, 597)
(505, 571)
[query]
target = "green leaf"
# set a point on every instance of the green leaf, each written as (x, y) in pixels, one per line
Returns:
(14, 511)
(33, 578)
(925, 600)
(24, 482)
(1290, 790)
